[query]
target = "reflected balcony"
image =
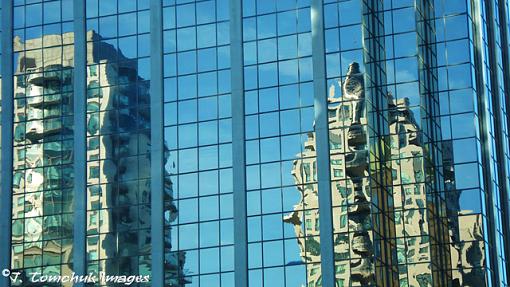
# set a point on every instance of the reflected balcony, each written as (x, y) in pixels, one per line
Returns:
(40, 78)
(37, 129)
(36, 101)
(52, 99)
(35, 114)
(35, 91)
(356, 163)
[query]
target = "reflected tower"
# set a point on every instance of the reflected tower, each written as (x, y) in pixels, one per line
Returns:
(43, 154)
(353, 218)
(118, 146)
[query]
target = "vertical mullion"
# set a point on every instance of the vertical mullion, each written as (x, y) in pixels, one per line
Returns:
(322, 144)
(505, 202)
(7, 141)
(499, 138)
(476, 14)
(157, 161)
(80, 142)
(238, 145)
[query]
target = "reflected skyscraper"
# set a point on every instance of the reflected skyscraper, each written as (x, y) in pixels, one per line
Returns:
(260, 143)
(353, 218)
(43, 154)
(118, 216)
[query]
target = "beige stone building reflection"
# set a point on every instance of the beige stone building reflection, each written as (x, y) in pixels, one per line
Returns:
(467, 246)
(118, 149)
(42, 162)
(118, 154)
(352, 207)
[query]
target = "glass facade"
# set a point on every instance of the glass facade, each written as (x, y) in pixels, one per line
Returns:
(281, 173)
(198, 139)
(387, 117)
(118, 137)
(42, 145)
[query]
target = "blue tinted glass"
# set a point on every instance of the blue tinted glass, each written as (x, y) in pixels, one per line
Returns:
(185, 15)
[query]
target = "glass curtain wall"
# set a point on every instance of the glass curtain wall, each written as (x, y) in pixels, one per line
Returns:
(198, 140)
(359, 135)
(417, 182)
(494, 93)
(281, 169)
(470, 160)
(118, 137)
(418, 147)
(43, 137)
(461, 146)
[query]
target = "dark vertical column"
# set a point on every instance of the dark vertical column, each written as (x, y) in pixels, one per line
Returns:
(6, 136)
(322, 144)
(80, 141)
(505, 201)
(238, 145)
(157, 150)
(482, 97)
(441, 269)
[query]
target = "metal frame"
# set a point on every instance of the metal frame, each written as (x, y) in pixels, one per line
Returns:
(6, 137)
(498, 134)
(322, 144)
(80, 141)
(484, 137)
(157, 147)
(238, 145)
(503, 18)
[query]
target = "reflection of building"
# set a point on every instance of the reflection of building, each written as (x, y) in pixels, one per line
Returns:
(305, 218)
(43, 152)
(118, 154)
(419, 181)
(413, 210)
(353, 210)
(468, 253)
(118, 146)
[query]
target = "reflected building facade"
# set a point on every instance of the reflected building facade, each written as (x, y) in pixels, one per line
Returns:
(256, 143)
(354, 215)
(118, 141)
(42, 179)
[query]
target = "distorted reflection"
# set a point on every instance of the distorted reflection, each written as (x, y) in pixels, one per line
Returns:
(42, 180)
(118, 154)
(467, 240)
(353, 205)
(351, 194)
(118, 148)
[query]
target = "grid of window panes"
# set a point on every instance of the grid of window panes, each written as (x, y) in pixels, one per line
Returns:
(504, 144)
(507, 10)
(505, 127)
(198, 136)
(412, 82)
(492, 55)
(118, 137)
(43, 137)
(430, 131)
(281, 170)
(461, 146)
(359, 152)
